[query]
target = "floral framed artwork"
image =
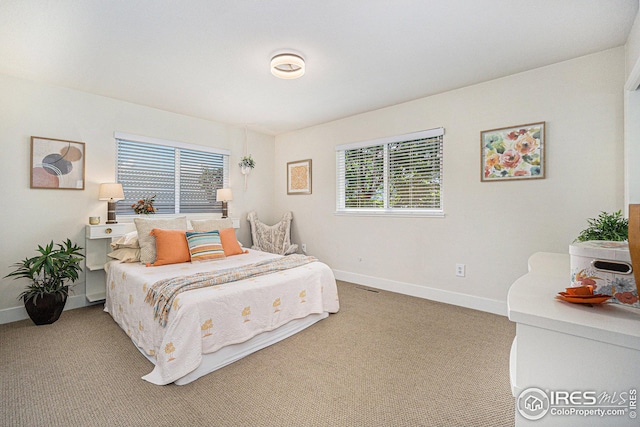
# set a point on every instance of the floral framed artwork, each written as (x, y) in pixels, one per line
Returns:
(511, 153)
(299, 177)
(57, 164)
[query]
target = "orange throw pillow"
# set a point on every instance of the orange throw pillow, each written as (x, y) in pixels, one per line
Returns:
(230, 242)
(171, 246)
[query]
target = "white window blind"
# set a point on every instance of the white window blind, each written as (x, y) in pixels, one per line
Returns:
(395, 175)
(182, 179)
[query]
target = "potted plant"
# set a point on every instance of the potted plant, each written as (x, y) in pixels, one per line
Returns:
(247, 164)
(51, 273)
(145, 206)
(608, 226)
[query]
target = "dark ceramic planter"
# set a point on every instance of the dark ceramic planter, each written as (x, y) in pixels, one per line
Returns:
(47, 309)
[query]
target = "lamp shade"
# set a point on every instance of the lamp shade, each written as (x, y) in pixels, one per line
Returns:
(224, 195)
(111, 191)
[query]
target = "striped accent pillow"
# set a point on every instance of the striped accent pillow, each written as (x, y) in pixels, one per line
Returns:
(205, 246)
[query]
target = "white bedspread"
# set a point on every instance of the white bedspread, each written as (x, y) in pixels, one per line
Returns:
(205, 320)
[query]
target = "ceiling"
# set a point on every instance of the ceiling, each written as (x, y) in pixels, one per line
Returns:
(210, 58)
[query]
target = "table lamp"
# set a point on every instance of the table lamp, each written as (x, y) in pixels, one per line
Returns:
(111, 191)
(224, 195)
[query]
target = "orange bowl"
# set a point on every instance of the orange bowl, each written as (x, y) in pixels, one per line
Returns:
(580, 290)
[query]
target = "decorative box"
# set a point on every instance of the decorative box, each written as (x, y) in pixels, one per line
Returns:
(606, 266)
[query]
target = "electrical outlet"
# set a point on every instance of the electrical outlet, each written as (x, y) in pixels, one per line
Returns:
(304, 248)
(460, 270)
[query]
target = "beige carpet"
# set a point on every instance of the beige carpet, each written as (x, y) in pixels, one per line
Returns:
(384, 360)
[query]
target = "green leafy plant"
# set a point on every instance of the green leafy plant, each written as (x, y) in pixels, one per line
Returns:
(247, 162)
(51, 272)
(608, 226)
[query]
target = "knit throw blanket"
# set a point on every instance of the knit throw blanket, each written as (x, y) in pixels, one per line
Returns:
(162, 293)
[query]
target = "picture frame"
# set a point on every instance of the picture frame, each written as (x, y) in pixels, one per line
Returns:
(57, 164)
(299, 177)
(513, 153)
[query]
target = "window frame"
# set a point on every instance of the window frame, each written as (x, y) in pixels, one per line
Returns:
(387, 211)
(216, 207)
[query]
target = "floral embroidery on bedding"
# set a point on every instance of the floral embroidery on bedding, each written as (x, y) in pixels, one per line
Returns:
(163, 294)
(206, 328)
(213, 318)
(169, 349)
(245, 313)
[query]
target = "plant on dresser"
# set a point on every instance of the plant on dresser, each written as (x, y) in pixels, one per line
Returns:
(51, 274)
(607, 226)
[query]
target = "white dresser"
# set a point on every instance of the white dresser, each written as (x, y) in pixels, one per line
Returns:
(573, 353)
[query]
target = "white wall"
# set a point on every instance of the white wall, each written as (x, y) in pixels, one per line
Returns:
(492, 227)
(632, 115)
(632, 47)
(29, 217)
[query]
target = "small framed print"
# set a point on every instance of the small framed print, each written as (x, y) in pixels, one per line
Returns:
(57, 164)
(511, 153)
(299, 177)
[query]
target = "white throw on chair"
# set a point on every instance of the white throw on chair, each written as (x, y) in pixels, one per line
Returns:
(272, 238)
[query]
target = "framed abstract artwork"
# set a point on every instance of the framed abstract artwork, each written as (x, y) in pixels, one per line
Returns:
(57, 164)
(299, 177)
(511, 153)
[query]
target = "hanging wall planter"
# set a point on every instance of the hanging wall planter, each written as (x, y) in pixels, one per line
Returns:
(247, 163)
(246, 166)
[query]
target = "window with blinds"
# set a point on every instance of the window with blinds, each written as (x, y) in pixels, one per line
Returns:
(396, 175)
(183, 179)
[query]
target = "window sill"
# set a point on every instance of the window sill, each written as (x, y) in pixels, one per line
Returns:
(390, 213)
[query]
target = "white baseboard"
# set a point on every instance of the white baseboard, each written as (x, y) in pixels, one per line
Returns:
(14, 314)
(440, 295)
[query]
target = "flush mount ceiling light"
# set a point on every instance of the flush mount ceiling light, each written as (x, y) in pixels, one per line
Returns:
(287, 66)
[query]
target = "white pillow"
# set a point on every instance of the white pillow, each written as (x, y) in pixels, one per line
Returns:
(148, 242)
(204, 225)
(126, 254)
(129, 240)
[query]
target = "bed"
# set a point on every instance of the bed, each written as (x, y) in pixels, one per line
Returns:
(210, 327)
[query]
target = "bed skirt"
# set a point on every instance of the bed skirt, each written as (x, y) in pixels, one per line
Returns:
(231, 353)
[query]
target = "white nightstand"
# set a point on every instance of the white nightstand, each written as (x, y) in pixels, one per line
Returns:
(97, 240)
